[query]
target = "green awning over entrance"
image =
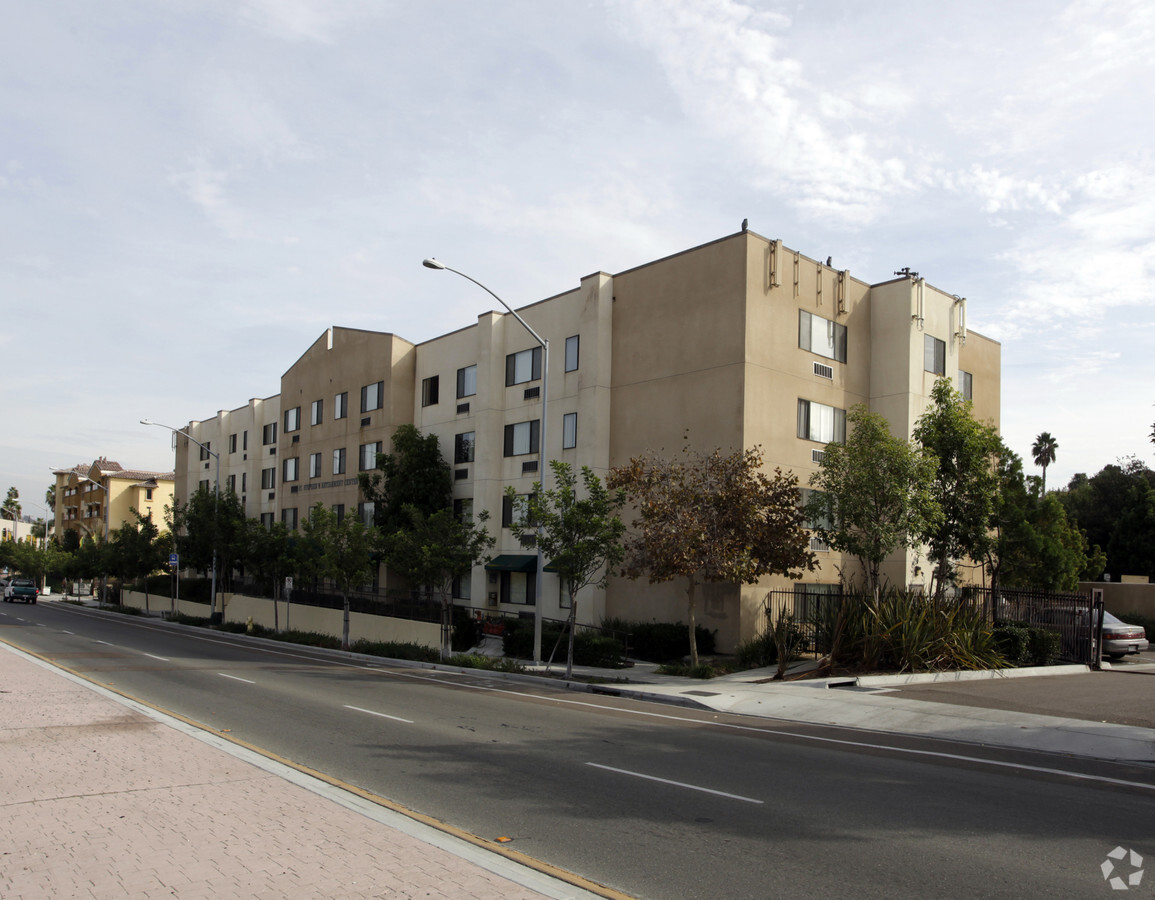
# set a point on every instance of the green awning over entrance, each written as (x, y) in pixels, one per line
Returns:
(513, 562)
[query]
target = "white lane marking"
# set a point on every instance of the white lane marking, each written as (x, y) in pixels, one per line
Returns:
(977, 760)
(103, 642)
(382, 715)
(66, 632)
(235, 678)
(161, 658)
(681, 784)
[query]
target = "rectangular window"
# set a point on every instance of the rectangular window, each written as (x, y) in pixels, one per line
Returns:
(466, 382)
(430, 390)
(314, 465)
(519, 588)
(205, 448)
(339, 511)
(966, 384)
(371, 396)
(293, 419)
(268, 479)
(933, 355)
(269, 434)
(463, 587)
(463, 510)
(819, 422)
(821, 336)
(230, 484)
(244, 482)
(267, 520)
(522, 438)
(369, 455)
(244, 440)
(571, 353)
(317, 415)
(463, 447)
(569, 431)
(289, 517)
(341, 405)
(292, 469)
(339, 461)
(204, 486)
(232, 443)
(365, 513)
(522, 367)
(148, 491)
(513, 510)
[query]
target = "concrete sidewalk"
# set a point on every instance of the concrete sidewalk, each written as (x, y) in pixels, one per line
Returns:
(105, 798)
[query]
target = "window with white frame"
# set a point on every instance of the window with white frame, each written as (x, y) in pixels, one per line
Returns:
(523, 366)
(569, 431)
(341, 405)
(292, 469)
(522, 438)
(317, 414)
(293, 419)
(821, 336)
(819, 422)
(371, 396)
(314, 465)
(933, 355)
(339, 461)
(466, 382)
(571, 352)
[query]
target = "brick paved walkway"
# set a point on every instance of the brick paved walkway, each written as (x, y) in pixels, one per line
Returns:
(98, 800)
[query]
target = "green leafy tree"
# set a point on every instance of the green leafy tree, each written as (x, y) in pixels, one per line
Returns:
(207, 523)
(965, 483)
(1033, 543)
(434, 550)
(414, 474)
(1111, 509)
(872, 494)
(709, 519)
(11, 508)
(1043, 451)
(348, 553)
(136, 550)
(580, 536)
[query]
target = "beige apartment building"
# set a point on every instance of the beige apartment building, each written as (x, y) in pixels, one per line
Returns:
(735, 343)
(96, 499)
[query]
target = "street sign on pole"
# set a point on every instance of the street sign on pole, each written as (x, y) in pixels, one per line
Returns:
(173, 559)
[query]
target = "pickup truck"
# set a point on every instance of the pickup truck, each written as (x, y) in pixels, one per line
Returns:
(21, 589)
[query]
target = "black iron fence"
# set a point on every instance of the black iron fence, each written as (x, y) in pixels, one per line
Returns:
(815, 608)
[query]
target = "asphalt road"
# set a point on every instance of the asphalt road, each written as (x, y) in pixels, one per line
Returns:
(653, 800)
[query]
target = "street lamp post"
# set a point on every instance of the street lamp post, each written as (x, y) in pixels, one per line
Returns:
(540, 597)
(216, 497)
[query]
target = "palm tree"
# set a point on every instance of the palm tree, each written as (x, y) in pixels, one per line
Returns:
(1043, 451)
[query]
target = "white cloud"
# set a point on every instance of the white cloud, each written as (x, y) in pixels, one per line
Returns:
(317, 21)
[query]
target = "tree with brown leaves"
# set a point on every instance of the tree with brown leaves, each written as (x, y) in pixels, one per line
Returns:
(709, 519)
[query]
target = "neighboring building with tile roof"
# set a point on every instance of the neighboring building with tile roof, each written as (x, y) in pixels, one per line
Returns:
(97, 498)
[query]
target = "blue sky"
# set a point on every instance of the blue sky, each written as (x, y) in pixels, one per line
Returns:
(191, 192)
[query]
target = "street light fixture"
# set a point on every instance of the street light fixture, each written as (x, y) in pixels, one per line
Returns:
(540, 597)
(216, 496)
